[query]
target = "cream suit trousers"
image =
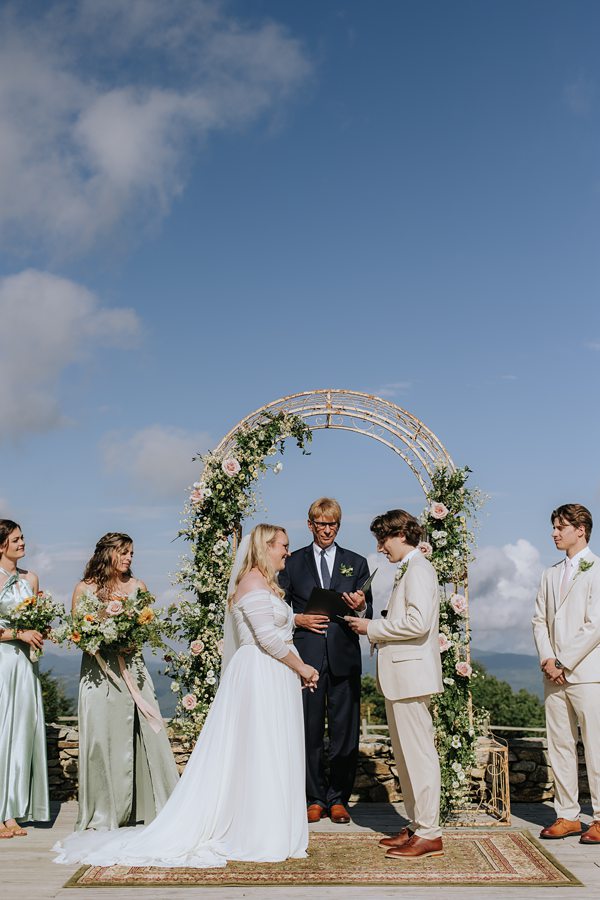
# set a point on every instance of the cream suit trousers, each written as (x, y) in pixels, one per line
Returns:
(413, 743)
(567, 705)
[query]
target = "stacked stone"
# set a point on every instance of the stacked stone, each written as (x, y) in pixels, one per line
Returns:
(62, 744)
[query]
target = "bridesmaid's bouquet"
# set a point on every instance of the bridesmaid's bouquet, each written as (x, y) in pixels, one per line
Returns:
(37, 613)
(121, 623)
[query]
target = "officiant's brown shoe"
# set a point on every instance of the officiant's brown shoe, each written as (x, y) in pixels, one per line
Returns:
(315, 812)
(417, 848)
(592, 835)
(397, 840)
(562, 828)
(339, 814)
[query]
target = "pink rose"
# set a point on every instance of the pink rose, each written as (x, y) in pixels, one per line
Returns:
(438, 511)
(459, 604)
(230, 466)
(114, 608)
(426, 549)
(220, 644)
(464, 669)
(196, 647)
(445, 644)
(190, 701)
(197, 496)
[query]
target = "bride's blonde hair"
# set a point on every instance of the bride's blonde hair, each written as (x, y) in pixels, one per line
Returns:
(258, 557)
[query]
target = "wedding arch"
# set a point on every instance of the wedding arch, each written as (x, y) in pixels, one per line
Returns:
(224, 495)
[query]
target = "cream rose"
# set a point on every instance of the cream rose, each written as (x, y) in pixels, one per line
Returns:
(114, 608)
(464, 669)
(196, 647)
(230, 466)
(459, 604)
(190, 701)
(445, 644)
(426, 549)
(438, 510)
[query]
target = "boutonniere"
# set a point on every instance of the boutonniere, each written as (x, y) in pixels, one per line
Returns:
(346, 570)
(584, 565)
(400, 572)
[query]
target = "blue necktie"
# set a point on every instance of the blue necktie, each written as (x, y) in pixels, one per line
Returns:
(325, 576)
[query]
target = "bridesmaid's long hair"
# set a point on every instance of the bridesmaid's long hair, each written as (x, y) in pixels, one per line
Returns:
(7, 526)
(258, 558)
(101, 567)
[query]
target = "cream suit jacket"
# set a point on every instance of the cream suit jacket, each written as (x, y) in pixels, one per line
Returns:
(408, 659)
(569, 629)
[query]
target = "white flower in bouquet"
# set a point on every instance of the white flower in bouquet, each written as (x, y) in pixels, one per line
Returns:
(439, 538)
(114, 608)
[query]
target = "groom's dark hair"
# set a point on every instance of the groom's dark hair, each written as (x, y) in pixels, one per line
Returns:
(396, 522)
(574, 514)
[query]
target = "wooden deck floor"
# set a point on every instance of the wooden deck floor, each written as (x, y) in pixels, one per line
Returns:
(28, 873)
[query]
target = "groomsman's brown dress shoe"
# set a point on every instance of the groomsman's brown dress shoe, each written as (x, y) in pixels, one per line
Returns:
(562, 828)
(592, 835)
(315, 813)
(397, 840)
(417, 848)
(339, 814)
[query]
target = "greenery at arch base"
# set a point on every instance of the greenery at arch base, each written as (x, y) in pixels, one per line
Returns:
(219, 503)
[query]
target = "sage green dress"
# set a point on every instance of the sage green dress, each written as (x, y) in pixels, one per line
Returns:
(126, 771)
(23, 765)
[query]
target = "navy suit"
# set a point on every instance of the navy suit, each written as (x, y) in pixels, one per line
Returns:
(337, 658)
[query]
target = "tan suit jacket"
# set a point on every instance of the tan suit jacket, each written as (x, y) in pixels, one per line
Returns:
(408, 661)
(568, 628)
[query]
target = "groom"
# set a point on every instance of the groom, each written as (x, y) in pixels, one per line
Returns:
(333, 649)
(409, 671)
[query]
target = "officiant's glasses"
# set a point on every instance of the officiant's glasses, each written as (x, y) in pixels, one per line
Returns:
(323, 525)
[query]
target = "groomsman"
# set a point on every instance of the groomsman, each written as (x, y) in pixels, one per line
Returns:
(409, 671)
(334, 650)
(566, 630)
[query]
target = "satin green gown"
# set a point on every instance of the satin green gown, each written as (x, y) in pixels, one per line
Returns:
(126, 771)
(23, 764)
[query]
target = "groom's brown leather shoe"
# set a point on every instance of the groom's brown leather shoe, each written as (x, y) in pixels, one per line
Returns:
(339, 814)
(397, 840)
(416, 848)
(315, 812)
(562, 828)
(592, 835)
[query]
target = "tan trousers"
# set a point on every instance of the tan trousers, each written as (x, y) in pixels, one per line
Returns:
(566, 706)
(413, 743)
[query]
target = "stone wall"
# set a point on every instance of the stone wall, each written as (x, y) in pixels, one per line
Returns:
(530, 774)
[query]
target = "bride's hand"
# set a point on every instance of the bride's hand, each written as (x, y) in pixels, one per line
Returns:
(310, 677)
(35, 639)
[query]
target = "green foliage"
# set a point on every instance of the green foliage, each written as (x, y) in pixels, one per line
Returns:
(503, 705)
(372, 703)
(218, 504)
(56, 702)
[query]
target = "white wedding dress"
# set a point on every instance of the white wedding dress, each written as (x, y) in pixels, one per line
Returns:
(242, 794)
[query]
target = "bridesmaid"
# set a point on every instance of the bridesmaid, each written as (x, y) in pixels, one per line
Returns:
(126, 770)
(23, 768)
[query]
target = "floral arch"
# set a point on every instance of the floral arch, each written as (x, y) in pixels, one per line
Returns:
(224, 496)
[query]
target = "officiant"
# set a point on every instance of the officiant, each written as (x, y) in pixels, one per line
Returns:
(333, 649)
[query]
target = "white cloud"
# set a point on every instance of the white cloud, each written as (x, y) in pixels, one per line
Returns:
(58, 323)
(502, 589)
(103, 103)
(393, 388)
(157, 460)
(503, 583)
(592, 345)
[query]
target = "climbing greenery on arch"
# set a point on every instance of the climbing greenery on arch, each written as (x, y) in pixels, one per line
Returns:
(218, 504)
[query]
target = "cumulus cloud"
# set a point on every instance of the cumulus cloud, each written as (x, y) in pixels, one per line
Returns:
(393, 388)
(102, 104)
(502, 590)
(157, 461)
(59, 323)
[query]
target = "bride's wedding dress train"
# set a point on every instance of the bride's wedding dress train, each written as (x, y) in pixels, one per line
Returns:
(242, 794)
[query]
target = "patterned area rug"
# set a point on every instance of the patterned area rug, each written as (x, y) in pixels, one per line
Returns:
(494, 857)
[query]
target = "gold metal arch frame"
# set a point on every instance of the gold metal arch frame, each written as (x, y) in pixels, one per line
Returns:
(364, 414)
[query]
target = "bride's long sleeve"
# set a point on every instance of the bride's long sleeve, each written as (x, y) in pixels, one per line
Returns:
(258, 610)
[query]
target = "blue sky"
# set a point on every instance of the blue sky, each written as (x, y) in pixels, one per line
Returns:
(206, 206)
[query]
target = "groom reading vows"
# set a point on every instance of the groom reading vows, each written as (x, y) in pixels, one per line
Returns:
(334, 650)
(409, 671)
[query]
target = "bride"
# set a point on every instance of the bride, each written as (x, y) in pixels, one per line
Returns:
(242, 794)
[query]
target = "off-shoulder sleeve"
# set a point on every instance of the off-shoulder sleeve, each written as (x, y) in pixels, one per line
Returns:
(258, 610)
